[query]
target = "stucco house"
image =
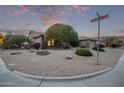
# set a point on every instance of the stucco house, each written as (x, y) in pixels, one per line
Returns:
(87, 42)
(36, 37)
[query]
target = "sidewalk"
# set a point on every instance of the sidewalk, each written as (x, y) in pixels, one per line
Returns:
(113, 78)
(9, 79)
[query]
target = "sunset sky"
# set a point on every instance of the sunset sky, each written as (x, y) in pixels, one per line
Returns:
(39, 18)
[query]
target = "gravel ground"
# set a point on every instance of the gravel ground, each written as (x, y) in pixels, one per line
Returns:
(55, 64)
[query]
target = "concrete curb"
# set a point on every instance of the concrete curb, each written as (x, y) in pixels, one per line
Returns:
(63, 78)
(28, 76)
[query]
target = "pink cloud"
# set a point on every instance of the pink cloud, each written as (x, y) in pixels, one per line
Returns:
(12, 11)
(79, 9)
(75, 6)
(48, 22)
(15, 13)
(48, 15)
(33, 13)
(24, 8)
(20, 10)
(52, 16)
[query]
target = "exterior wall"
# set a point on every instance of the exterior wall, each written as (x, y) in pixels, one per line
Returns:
(88, 44)
(33, 34)
(38, 40)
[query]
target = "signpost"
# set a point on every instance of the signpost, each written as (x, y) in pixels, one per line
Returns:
(98, 19)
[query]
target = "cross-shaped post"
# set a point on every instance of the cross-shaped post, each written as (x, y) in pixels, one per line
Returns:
(98, 19)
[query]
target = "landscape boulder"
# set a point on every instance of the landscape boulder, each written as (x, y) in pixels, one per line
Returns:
(42, 53)
(68, 57)
(14, 53)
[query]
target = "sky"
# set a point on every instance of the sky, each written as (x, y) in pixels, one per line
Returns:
(41, 17)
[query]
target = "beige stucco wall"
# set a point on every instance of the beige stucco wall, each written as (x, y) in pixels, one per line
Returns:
(89, 44)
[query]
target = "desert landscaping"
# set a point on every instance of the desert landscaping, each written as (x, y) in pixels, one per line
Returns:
(55, 64)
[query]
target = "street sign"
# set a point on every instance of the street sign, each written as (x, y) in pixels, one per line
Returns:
(99, 18)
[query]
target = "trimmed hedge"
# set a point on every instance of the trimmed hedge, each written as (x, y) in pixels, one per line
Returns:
(83, 52)
(100, 49)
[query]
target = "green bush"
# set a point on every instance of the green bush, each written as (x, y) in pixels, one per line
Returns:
(101, 46)
(83, 52)
(100, 49)
(74, 43)
(14, 41)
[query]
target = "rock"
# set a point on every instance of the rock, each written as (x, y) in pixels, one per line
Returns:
(18, 52)
(11, 67)
(68, 57)
(42, 53)
(32, 51)
(14, 53)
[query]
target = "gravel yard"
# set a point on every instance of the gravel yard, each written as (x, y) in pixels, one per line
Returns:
(55, 64)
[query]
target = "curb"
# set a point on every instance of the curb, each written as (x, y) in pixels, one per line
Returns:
(62, 78)
(28, 76)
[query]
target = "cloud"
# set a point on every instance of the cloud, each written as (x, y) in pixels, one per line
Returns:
(11, 10)
(47, 14)
(48, 22)
(2, 25)
(78, 9)
(27, 9)
(14, 12)
(120, 32)
(24, 8)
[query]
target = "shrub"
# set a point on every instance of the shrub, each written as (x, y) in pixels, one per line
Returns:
(83, 52)
(100, 49)
(101, 46)
(14, 41)
(74, 43)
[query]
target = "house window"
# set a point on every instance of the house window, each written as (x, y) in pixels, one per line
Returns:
(51, 43)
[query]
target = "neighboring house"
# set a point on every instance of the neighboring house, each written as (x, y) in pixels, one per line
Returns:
(36, 37)
(88, 42)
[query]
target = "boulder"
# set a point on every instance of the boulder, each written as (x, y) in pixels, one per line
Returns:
(32, 51)
(68, 57)
(14, 53)
(42, 53)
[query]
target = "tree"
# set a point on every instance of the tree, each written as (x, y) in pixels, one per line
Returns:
(62, 34)
(75, 41)
(2, 38)
(14, 41)
(113, 42)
